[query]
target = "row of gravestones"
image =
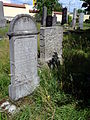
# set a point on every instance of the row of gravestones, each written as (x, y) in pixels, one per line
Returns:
(65, 18)
(23, 53)
(81, 17)
(49, 20)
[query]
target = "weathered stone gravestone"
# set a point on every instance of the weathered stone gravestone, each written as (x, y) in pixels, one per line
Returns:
(23, 56)
(54, 20)
(64, 15)
(2, 19)
(81, 17)
(74, 18)
(44, 16)
(49, 21)
(50, 42)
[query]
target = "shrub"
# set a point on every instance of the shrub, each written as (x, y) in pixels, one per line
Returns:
(87, 21)
(76, 75)
(69, 19)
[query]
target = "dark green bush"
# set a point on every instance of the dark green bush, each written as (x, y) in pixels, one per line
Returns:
(69, 19)
(87, 21)
(76, 75)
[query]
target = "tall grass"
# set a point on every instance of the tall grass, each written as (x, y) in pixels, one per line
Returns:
(3, 31)
(48, 102)
(4, 68)
(76, 55)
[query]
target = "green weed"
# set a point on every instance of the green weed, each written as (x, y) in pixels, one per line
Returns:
(50, 103)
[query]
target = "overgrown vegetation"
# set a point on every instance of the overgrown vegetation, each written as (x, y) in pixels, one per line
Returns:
(76, 54)
(3, 31)
(50, 4)
(63, 93)
(4, 68)
(48, 102)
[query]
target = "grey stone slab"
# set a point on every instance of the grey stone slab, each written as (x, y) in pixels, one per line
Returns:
(2, 19)
(52, 42)
(74, 18)
(81, 18)
(64, 16)
(54, 20)
(44, 16)
(23, 56)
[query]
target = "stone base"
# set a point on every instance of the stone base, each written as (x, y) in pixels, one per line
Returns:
(23, 89)
(2, 23)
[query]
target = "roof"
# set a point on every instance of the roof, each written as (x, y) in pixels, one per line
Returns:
(14, 5)
(59, 13)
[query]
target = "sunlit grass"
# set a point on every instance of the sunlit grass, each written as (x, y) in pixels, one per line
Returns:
(4, 68)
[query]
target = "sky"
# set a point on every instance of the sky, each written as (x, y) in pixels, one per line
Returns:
(70, 4)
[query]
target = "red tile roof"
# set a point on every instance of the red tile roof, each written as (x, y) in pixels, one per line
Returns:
(14, 5)
(59, 13)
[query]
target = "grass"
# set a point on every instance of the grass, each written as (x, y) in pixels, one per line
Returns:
(86, 25)
(38, 42)
(4, 68)
(48, 101)
(3, 31)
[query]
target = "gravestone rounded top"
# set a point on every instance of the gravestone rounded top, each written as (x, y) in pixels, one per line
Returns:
(22, 24)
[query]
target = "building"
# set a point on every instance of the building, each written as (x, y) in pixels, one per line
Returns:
(11, 10)
(58, 15)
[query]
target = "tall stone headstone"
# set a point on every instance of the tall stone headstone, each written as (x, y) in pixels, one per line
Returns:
(50, 42)
(54, 20)
(2, 19)
(44, 16)
(64, 15)
(49, 21)
(81, 18)
(23, 56)
(74, 18)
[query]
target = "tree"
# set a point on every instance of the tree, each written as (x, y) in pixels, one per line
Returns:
(80, 11)
(86, 4)
(50, 4)
(58, 7)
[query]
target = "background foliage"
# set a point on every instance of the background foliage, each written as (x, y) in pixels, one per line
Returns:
(50, 4)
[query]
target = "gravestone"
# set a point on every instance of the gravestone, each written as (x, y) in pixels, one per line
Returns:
(2, 19)
(64, 15)
(81, 18)
(50, 42)
(44, 16)
(23, 56)
(54, 20)
(74, 17)
(49, 21)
